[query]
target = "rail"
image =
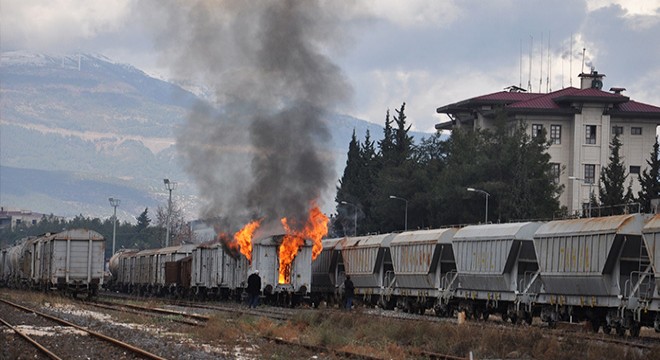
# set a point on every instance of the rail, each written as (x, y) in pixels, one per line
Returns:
(112, 340)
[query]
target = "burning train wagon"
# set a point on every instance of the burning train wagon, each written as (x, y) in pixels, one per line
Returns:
(215, 273)
(284, 286)
(210, 271)
(71, 261)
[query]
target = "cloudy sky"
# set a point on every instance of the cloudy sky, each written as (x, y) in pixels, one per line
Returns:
(427, 53)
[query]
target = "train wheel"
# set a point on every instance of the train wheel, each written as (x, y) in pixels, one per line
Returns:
(635, 328)
(595, 325)
(620, 330)
(485, 315)
(528, 318)
(607, 329)
(514, 319)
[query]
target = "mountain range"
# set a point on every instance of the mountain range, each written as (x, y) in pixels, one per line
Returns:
(78, 129)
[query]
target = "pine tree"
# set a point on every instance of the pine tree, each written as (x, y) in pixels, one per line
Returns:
(143, 220)
(349, 189)
(402, 141)
(613, 178)
(649, 180)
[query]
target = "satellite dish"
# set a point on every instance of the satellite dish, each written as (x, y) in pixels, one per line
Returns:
(597, 84)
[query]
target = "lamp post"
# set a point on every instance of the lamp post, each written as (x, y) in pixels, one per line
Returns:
(487, 195)
(584, 181)
(406, 216)
(114, 202)
(354, 216)
(169, 185)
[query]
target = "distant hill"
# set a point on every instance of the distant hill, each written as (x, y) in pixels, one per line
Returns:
(77, 129)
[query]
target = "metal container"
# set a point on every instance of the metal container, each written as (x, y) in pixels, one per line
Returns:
(367, 260)
(72, 259)
(585, 256)
(162, 256)
(651, 235)
(215, 270)
(421, 258)
(495, 257)
(265, 258)
(328, 267)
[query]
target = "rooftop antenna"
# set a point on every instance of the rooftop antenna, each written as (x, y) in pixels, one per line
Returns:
(541, 67)
(584, 50)
(570, 77)
(548, 87)
(520, 76)
(529, 79)
(562, 67)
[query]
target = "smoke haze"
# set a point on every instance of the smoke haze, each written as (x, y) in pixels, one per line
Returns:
(256, 152)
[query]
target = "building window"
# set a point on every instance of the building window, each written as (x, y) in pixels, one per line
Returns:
(555, 134)
(617, 130)
(34, 222)
(18, 221)
(590, 173)
(634, 169)
(537, 130)
(590, 134)
(555, 171)
(635, 131)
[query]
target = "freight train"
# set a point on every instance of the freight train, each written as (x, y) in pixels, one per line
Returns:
(213, 271)
(602, 270)
(71, 261)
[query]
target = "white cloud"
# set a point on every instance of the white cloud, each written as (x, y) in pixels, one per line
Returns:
(54, 25)
(631, 7)
(411, 13)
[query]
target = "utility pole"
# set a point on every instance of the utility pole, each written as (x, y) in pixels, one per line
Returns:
(169, 185)
(114, 202)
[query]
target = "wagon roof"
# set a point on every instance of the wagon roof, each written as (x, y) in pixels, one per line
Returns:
(620, 224)
(78, 234)
(177, 248)
(380, 240)
(275, 240)
(652, 225)
(334, 243)
(522, 231)
(425, 236)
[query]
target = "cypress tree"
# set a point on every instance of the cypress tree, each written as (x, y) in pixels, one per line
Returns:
(613, 178)
(649, 180)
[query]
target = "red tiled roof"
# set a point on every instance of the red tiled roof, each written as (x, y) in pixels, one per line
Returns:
(507, 96)
(544, 101)
(556, 100)
(634, 106)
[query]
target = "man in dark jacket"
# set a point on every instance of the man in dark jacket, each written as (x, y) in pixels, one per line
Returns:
(253, 289)
(349, 292)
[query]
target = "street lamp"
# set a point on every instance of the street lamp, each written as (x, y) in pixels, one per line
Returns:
(487, 195)
(584, 181)
(114, 202)
(354, 217)
(169, 185)
(406, 218)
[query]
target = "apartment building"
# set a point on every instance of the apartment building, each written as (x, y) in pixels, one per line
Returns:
(579, 123)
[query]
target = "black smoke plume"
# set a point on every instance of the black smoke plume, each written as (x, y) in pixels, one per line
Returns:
(255, 151)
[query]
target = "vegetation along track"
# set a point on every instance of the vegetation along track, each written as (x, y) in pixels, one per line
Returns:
(54, 348)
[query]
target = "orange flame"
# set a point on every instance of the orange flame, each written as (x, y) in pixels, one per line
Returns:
(244, 238)
(315, 229)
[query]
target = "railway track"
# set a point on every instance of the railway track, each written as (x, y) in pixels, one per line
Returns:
(86, 340)
(176, 316)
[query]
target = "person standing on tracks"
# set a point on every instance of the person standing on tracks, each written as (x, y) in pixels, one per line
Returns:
(349, 292)
(253, 289)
